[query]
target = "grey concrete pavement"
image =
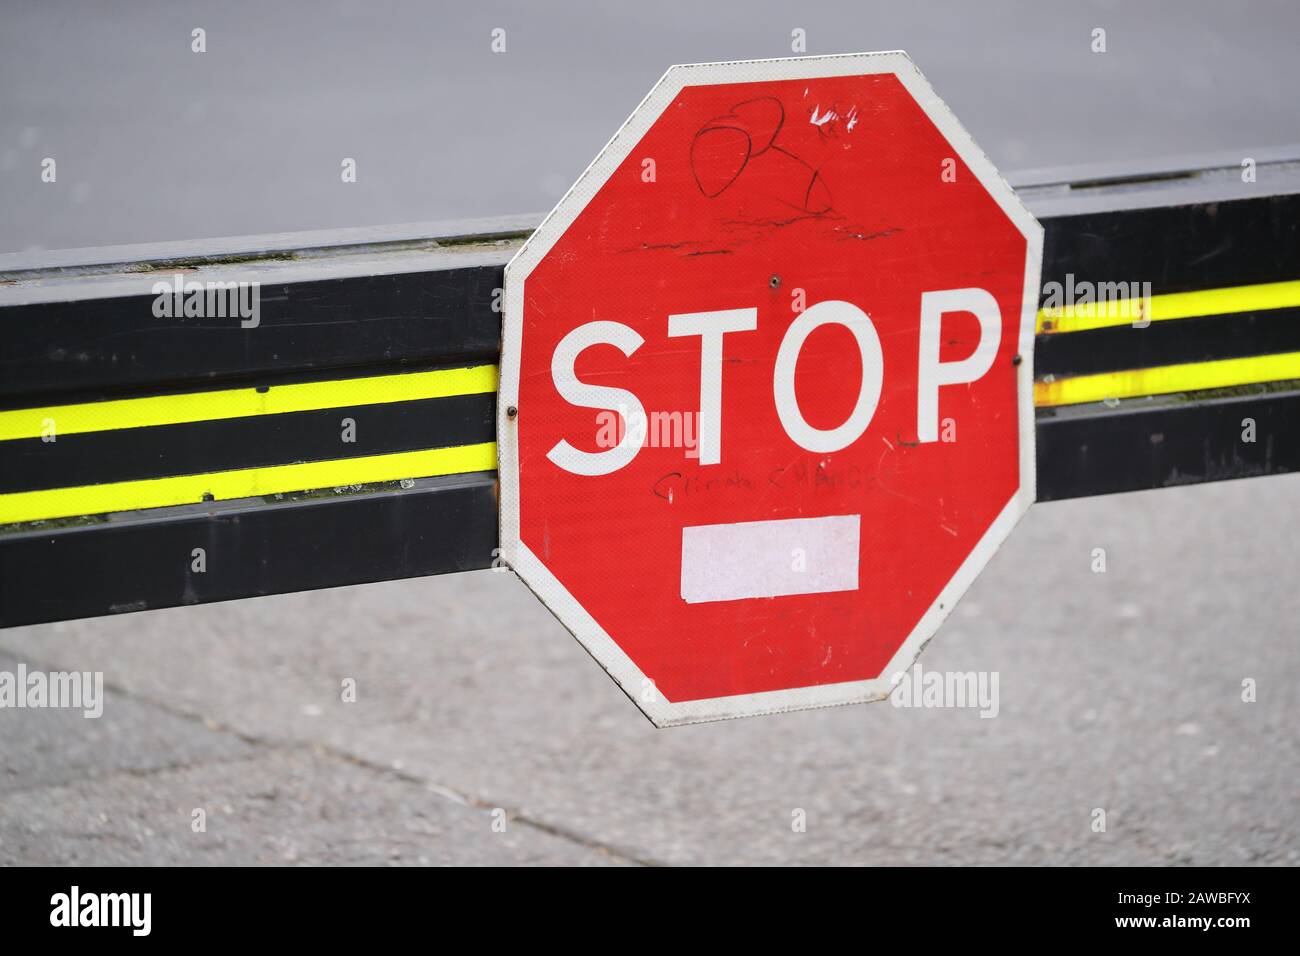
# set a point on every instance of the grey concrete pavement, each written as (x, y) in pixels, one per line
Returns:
(155, 142)
(273, 807)
(1119, 691)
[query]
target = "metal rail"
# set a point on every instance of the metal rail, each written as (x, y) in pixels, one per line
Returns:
(132, 443)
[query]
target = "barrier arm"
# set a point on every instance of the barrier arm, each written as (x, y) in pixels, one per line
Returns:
(328, 418)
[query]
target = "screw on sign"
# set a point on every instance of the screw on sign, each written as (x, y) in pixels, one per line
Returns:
(769, 363)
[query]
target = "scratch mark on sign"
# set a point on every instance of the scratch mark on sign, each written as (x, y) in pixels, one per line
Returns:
(824, 118)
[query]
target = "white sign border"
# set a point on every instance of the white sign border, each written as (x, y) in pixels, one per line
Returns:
(538, 577)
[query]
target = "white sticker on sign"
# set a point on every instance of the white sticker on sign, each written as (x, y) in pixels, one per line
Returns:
(756, 559)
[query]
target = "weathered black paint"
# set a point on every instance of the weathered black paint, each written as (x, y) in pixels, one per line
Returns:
(95, 348)
(253, 548)
(1167, 441)
(1179, 248)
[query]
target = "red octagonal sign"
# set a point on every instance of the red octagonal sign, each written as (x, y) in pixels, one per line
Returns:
(766, 403)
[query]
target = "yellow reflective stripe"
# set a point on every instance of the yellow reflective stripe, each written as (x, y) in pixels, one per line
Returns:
(1167, 379)
(244, 483)
(1172, 305)
(244, 402)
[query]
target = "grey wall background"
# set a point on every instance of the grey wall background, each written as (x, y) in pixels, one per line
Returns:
(154, 142)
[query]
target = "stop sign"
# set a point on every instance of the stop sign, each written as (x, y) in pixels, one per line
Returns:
(766, 386)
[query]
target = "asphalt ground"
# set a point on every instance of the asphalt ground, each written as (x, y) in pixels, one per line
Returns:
(1119, 691)
(154, 142)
